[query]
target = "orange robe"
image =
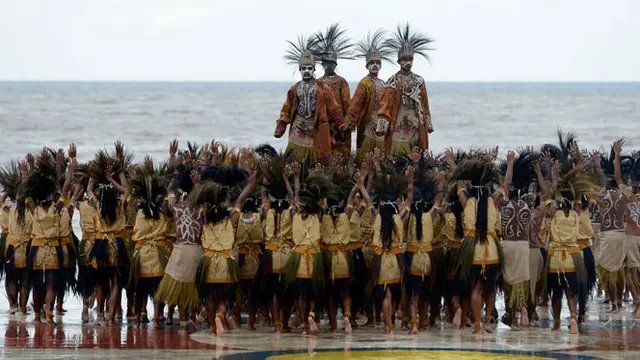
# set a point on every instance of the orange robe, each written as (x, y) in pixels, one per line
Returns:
(390, 102)
(325, 107)
(339, 88)
(361, 107)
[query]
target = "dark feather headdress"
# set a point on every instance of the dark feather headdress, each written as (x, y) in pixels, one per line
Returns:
(302, 52)
(634, 176)
(574, 183)
(607, 164)
(392, 183)
(313, 189)
(149, 192)
(406, 42)
(191, 154)
(10, 179)
(273, 165)
(333, 44)
(562, 150)
(373, 47)
(479, 170)
(209, 193)
(101, 161)
(523, 170)
(42, 182)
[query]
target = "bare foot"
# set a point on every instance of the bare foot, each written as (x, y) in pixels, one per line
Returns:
(573, 327)
(477, 329)
(404, 326)
(414, 330)
(524, 317)
(233, 324)
(457, 318)
(488, 328)
(347, 326)
(370, 324)
(219, 327)
(312, 324)
(156, 323)
(388, 330)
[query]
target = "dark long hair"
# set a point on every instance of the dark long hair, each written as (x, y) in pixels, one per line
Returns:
(417, 209)
(108, 204)
(278, 207)
(182, 177)
(482, 212)
(387, 225)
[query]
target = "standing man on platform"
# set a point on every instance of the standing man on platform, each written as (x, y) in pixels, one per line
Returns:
(307, 108)
(404, 117)
(333, 45)
(365, 104)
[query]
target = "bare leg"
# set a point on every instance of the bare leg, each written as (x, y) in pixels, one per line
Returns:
(490, 301)
(476, 307)
(556, 305)
(346, 307)
(413, 312)
(387, 309)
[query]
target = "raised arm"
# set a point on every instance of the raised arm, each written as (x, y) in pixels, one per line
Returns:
(235, 214)
(409, 173)
(617, 170)
(542, 183)
(506, 184)
(109, 174)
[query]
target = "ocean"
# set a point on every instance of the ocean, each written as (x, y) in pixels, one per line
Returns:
(147, 115)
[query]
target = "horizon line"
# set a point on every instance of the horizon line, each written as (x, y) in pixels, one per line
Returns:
(289, 81)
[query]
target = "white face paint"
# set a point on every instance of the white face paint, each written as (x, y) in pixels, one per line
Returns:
(406, 63)
(307, 72)
(374, 67)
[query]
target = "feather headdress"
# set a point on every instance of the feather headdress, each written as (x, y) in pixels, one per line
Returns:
(523, 170)
(480, 171)
(607, 164)
(42, 182)
(374, 48)
(149, 192)
(333, 44)
(406, 42)
(209, 193)
(101, 162)
(562, 150)
(273, 166)
(314, 188)
(10, 179)
(191, 154)
(574, 183)
(392, 184)
(302, 52)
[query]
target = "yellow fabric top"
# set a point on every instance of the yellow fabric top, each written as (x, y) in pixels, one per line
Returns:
(100, 225)
(284, 226)
(469, 217)
(46, 224)
(4, 215)
(449, 227)
(585, 226)
(338, 233)
(428, 224)
(130, 213)
(18, 231)
(149, 229)
(65, 223)
(218, 237)
(306, 232)
(397, 235)
(87, 212)
(355, 227)
(563, 230)
(249, 230)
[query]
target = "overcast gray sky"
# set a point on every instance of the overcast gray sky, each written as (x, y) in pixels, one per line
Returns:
(223, 40)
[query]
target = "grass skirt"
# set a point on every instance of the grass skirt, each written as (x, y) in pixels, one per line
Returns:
(339, 289)
(590, 266)
(108, 268)
(163, 255)
(173, 292)
(37, 276)
(610, 279)
(361, 279)
(518, 295)
(3, 244)
(12, 274)
(470, 274)
(304, 155)
(148, 286)
(307, 288)
(219, 292)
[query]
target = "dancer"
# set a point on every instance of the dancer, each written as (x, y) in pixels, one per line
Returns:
(304, 274)
(333, 45)
(45, 263)
(308, 107)
(388, 236)
(151, 246)
(217, 272)
(404, 116)
(178, 285)
(18, 222)
(632, 228)
(424, 218)
(336, 239)
(108, 256)
(515, 216)
(610, 254)
(565, 268)
(481, 258)
(278, 243)
(364, 106)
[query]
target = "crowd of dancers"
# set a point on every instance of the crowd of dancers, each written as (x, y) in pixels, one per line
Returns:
(217, 232)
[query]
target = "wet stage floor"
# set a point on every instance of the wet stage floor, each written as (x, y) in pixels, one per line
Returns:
(604, 336)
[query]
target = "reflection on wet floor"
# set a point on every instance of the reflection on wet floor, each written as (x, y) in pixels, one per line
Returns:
(605, 336)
